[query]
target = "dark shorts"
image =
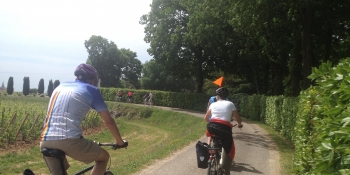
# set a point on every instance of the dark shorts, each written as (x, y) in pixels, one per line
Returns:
(225, 134)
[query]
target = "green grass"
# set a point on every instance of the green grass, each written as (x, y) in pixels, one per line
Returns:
(152, 134)
(285, 149)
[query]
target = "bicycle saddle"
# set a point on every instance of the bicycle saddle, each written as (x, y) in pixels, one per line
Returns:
(48, 152)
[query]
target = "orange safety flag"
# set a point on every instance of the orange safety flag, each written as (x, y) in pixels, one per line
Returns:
(219, 81)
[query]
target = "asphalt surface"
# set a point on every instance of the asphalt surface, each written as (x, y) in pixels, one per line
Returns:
(255, 154)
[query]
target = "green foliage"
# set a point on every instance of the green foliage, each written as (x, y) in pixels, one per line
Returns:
(155, 137)
(156, 77)
(276, 111)
(56, 84)
(192, 101)
(303, 138)
(41, 87)
(33, 91)
(16, 108)
(10, 86)
(113, 64)
(288, 117)
(327, 136)
(271, 45)
(26, 86)
(50, 88)
(132, 69)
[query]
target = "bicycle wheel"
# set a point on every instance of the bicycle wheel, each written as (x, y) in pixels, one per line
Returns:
(108, 173)
(212, 167)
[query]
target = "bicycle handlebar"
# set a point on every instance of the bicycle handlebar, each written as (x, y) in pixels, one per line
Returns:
(114, 145)
(238, 126)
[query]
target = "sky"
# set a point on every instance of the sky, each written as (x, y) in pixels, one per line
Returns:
(43, 39)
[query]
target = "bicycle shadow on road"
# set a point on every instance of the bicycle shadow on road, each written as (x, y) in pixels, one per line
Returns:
(251, 139)
(243, 167)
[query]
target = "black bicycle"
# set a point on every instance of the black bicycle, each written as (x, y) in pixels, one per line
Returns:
(59, 154)
(215, 154)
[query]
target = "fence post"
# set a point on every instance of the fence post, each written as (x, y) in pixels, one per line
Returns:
(30, 131)
(20, 127)
(13, 118)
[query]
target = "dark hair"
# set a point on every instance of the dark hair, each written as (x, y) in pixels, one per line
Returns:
(222, 92)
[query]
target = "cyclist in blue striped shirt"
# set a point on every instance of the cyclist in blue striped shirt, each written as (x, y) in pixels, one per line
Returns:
(69, 104)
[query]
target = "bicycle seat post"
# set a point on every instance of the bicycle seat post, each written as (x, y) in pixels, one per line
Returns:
(55, 153)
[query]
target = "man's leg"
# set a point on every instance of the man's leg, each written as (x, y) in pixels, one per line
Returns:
(100, 163)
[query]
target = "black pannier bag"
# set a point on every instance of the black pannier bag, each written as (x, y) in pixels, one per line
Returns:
(202, 154)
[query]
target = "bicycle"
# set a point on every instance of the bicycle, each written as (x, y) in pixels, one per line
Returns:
(215, 154)
(59, 154)
(148, 102)
(119, 98)
(130, 100)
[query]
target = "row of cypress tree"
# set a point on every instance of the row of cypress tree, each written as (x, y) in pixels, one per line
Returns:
(26, 87)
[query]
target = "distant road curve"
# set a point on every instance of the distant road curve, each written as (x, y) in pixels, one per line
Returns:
(256, 153)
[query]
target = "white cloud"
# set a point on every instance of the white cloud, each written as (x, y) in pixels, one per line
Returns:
(45, 39)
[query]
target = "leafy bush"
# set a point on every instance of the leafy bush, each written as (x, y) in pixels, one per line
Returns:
(323, 130)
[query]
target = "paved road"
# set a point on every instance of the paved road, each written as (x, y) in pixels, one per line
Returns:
(255, 154)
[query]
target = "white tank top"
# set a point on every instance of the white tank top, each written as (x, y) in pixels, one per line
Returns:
(222, 110)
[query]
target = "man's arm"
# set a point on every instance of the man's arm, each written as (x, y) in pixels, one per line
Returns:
(207, 115)
(208, 105)
(112, 126)
(238, 118)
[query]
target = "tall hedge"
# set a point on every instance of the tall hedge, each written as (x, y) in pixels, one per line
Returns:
(323, 132)
(191, 101)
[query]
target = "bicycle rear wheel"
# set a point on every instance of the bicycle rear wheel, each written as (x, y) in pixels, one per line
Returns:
(108, 173)
(213, 167)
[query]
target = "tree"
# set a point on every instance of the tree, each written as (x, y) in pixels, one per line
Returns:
(113, 64)
(155, 77)
(41, 87)
(131, 70)
(166, 26)
(105, 57)
(271, 45)
(33, 91)
(26, 86)
(50, 88)
(55, 84)
(10, 86)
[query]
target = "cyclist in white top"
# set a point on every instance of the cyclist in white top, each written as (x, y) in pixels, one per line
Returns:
(222, 112)
(69, 104)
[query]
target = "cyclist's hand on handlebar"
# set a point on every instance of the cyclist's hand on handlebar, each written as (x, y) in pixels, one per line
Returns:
(124, 145)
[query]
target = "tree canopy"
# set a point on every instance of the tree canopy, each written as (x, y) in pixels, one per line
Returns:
(26, 86)
(270, 44)
(41, 86)
(113, 64)
(10, 86)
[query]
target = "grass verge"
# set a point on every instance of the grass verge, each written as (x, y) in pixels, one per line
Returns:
(152, 134)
